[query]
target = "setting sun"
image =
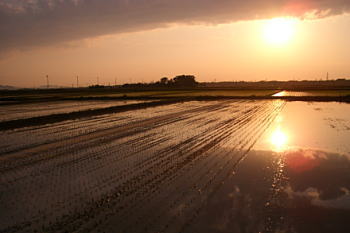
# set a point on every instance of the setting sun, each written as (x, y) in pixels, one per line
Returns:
(279, 31)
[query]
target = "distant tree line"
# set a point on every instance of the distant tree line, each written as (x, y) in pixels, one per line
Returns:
(184, 81)
(178, 81)
(286, 85)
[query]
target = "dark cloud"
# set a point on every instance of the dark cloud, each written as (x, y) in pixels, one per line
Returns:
(26, 23)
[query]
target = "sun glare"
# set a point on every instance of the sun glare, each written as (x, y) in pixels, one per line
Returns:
(279, 139)
(279, 31)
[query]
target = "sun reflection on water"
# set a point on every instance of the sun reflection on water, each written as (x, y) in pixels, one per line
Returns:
(279, 139)
(280, 94)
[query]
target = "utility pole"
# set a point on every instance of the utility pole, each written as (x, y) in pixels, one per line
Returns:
(77, 81)
(115, 81)
(47, 81)
(98, 81)
(327, 76)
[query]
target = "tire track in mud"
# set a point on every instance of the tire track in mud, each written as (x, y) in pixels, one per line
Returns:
(152, 175)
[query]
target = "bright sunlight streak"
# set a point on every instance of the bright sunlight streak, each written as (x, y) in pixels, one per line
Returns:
(279, 139)
(279, 31)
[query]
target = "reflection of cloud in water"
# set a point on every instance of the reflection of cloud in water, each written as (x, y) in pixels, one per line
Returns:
(342, 202)
(311, 195)
(326, 172)
(301, 161)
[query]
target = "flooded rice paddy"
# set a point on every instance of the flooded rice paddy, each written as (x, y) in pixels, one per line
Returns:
(216, 166)
(324, 93)
(15, 111)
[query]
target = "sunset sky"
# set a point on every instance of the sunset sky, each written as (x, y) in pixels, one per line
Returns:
(144, 40)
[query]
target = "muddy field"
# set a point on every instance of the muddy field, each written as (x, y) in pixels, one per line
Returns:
(15, 111)
(210, 166)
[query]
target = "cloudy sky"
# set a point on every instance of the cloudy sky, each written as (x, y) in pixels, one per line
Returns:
(143, 40)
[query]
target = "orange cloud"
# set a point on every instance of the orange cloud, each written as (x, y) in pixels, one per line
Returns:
(26, 23)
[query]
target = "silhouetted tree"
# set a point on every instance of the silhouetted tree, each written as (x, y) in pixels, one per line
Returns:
(185, 81)
(164, 81)
(178, 81)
